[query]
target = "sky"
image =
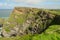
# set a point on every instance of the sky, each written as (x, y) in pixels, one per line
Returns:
(47, 4)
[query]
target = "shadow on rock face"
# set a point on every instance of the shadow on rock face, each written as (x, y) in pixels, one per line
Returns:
(44, 20)
(56, 20)
(1, 35)
(1, 25)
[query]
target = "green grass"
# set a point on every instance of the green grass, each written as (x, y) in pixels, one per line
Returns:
(7, 29)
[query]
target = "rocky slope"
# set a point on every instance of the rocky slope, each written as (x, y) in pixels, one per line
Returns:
(25, 20)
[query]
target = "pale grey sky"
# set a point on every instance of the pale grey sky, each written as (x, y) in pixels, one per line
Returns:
(10, 4)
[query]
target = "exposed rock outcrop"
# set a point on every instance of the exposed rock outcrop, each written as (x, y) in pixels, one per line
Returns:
(1, 25)
(27, 21)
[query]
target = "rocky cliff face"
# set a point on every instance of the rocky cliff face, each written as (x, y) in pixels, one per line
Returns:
(25, 20)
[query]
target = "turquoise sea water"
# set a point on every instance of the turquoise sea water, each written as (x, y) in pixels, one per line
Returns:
(4, 13)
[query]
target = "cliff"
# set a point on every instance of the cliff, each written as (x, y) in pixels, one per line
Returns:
(25, 20)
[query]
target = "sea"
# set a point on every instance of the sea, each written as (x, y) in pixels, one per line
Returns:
(5, 13)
